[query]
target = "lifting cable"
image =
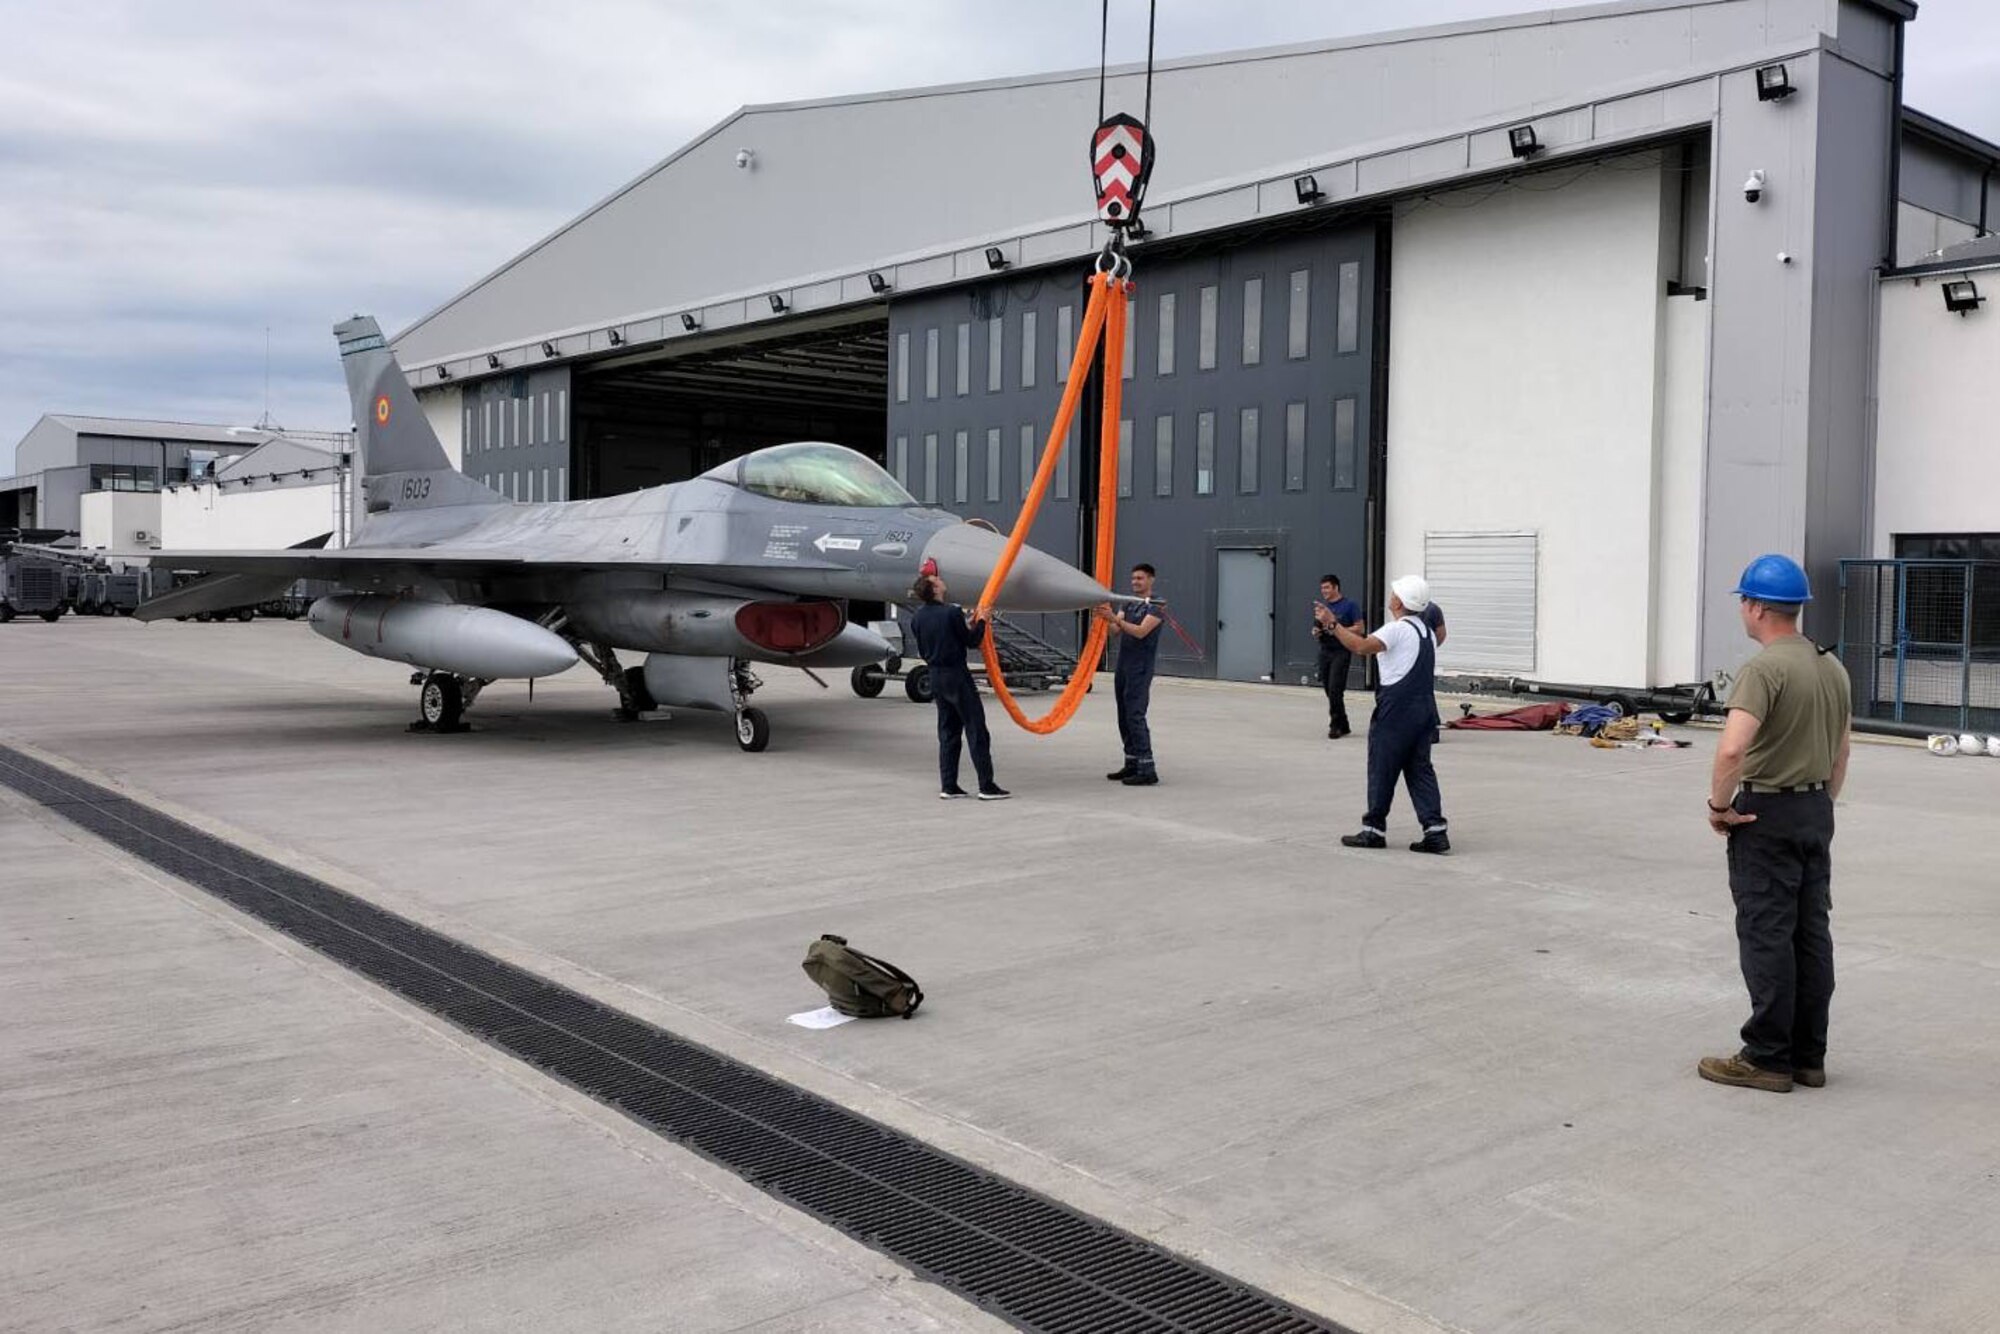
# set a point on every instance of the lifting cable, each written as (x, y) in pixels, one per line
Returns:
(1121, 152)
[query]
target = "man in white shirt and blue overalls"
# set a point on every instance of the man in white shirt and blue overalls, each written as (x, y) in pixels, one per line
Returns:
(1406, 718)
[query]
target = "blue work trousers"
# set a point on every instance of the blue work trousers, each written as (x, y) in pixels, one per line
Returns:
(960, 714)
(1135, 693)
(1399, 746)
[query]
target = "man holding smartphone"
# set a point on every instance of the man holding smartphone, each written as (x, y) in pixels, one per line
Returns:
(1331, 608)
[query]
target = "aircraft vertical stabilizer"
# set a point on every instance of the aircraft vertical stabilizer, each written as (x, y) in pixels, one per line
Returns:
(394, 436)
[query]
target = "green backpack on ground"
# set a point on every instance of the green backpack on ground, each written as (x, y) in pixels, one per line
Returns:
(859, 984)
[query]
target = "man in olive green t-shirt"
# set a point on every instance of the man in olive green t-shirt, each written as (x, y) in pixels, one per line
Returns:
(1782, 761)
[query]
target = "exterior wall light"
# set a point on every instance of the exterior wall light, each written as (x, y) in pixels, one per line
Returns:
(689, 322)
(616, 336)
(1774, 83)
(996, 258)
(877, 284)
(444, 372)
(492, 362)
(1962, 297)
(1522, 141)
(777, 304)
(548, 348)
(1307, 189)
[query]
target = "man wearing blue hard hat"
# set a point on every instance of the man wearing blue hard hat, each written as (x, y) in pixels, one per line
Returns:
(1781, 763)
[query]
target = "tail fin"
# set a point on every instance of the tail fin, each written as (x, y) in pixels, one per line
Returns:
(394, 437)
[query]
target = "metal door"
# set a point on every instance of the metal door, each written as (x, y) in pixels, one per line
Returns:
(1245, 614)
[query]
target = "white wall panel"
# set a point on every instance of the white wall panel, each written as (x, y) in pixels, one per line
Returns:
(1522, 368)
(235, 519)
(1678, 506)
(115, 519)
(1937, 469)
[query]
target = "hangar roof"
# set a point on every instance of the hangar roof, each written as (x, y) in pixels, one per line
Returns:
(917, 182)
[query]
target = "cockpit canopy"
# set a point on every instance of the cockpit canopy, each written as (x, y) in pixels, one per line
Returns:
(815, 473)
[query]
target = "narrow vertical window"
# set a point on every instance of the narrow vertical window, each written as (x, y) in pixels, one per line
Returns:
(486, 425)
(520, 437)
(471, 444)
(930, 363)
(899, 462)
(930, 469)
(562, 483)
(1063, 457)
(1246, 452)
(1131, 353)
(1296, 341)
(562, 416)
(903, 366)
(1125, 455)
(964, 381)
(961, 477)
(996, 342)
(1065, 339)
(1343, 444)
(545, 416)
(1167, 304)
(1205, 344)
(547, 477)
(1253, 321)
(1027, 349)
(1295, 446)
(992, 463)
(1204, 454)
(1027, 458)
(1163, 456)
(1347, 309)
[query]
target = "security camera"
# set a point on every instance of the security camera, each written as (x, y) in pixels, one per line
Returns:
(1753, 189)
(744, 157)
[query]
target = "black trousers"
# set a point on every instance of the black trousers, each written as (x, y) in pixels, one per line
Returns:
(1333, 669)
(1399, 746)
(960, 714)
(1781, 876)
(1134, 691)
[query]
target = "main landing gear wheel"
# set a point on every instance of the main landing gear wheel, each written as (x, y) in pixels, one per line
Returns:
(441, 702)
(753, 729)
(917, 685)
(868, 680)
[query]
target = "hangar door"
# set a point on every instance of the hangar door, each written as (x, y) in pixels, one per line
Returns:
(1249, 423)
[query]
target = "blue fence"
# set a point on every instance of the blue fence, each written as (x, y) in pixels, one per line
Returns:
(1921, 640)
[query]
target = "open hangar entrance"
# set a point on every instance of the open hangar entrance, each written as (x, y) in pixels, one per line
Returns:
(667, 414)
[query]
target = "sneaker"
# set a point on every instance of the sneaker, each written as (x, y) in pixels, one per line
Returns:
(993, 792)
(1367, 838)
(1812, 1077)
(1120, 775)
(1144, 779)
(1433, 840)
(1739, 1071)
(953, 794)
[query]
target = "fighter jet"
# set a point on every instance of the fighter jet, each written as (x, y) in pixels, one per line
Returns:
(752, 562)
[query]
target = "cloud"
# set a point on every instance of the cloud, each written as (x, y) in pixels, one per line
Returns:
(174, 179)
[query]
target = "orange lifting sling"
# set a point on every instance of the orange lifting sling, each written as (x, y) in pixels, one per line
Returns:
(1103, 319)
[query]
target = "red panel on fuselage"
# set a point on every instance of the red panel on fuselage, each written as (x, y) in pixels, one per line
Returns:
(790, 627)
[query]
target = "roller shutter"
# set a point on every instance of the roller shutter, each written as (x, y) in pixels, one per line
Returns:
(1485, 584)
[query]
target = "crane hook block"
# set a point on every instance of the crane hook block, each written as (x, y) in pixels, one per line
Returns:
(1121, 162)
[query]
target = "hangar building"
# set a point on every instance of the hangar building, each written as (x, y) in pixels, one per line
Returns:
(1575, 312)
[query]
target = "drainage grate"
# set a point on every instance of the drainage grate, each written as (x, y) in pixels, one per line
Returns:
(1036, 1263)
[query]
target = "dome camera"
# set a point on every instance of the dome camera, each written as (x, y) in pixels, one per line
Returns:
(744, 157)
(1753, 189)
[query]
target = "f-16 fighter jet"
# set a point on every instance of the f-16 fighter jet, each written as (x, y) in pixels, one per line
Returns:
(752, 562)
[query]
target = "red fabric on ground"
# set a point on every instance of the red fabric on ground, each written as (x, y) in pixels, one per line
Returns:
(1534, 718)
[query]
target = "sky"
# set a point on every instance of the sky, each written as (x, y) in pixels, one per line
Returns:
(192, 193)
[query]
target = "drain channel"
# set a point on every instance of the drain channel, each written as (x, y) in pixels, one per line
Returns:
(1036, 1263)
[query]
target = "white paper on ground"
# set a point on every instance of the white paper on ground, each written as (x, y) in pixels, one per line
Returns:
(824, 1017)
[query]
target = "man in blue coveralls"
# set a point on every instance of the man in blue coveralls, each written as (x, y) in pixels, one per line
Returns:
(1399, 739)
(943, 633)
(1137, 627)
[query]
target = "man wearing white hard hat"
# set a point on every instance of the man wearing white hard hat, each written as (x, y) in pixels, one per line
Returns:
(1406, 718)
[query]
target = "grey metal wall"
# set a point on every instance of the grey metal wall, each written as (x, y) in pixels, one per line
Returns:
(1239, 342)
(515, 431)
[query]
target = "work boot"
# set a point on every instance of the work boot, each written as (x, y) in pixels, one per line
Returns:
(1143, 778)
(1367, 838)
(1120, 775)
(1434, 840)
(1740, 1071)
(1810, 1076)
(994, 792)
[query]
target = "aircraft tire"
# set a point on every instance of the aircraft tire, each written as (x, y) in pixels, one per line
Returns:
(917, 685)
(52, 616)
(440, 702)
(753, 730)
(6, 613)
(868, 680)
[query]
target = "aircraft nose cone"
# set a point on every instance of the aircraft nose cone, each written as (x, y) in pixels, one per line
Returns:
(966, 555)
